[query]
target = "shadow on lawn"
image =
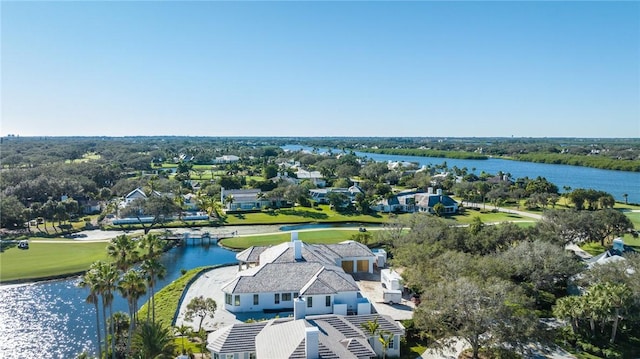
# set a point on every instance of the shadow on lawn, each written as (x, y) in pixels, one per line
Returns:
(304, 214)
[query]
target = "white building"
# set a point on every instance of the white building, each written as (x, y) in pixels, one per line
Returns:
(277, 275)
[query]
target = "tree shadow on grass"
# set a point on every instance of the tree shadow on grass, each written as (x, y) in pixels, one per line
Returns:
(304, 214)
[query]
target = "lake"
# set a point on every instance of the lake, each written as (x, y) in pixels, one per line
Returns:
(617, 183)
(53, 318)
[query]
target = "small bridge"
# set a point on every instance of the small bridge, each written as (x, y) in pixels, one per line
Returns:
(204, 238)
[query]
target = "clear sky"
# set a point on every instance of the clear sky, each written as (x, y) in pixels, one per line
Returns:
(523, 69)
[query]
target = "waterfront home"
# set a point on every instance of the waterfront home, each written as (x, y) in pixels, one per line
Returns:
(243, 199)
(321, 195)
(414, 201)
(425, 202)
(322, 336)
(271, 278)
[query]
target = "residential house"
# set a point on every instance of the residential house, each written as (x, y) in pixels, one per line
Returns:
(190, 202)
(415, 201)
(133, 195)
(318, 273)
(314, 176)
(401, 202)
(322, 336)
(425, 202)
(226, 159)
(243, 199)
(321, 195)
(616, 253)
(90, 206)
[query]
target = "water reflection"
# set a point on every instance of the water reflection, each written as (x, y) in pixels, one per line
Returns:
(53, 318)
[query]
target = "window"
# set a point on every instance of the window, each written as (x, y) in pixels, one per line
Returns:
(391, 344)
(216, 356)
(227, 299)
(296, 295)
(230, 356)
(276, 298)
(237, 300)
(256, 299)
(309, 302)
(327, 301)
(286, 297)
(252, 356)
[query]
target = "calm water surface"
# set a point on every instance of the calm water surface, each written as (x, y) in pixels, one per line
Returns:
(615, 182)
(53, 318)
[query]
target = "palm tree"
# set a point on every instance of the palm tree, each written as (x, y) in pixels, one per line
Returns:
(183, 330)
(385, 339)
(153, 341)
(123, 250)
(228, 200)
(90, 280)
(132, 286)
(153, 270)
(154, 245)
(371, 327)
(626, 198)
(107, 275)
(570, 308)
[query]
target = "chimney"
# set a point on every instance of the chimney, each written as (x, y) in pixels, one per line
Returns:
(311, 342)
(297, 250)
(222, 195)
(439, 191)
(430, 190)
(299, 308)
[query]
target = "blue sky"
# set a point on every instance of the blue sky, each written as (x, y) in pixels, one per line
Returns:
(523, 69)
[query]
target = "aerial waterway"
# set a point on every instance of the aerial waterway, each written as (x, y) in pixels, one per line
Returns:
(618, 183)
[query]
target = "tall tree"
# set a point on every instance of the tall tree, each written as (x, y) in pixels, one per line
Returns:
(153, 271)
(123, 250)
(132, 286)
(201, 308)
(107, 275)
(90, 280)
(484, 313)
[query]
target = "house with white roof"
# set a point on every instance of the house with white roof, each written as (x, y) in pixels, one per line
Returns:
(277, 275)
(413, 201)
(242, 199)
(226, 159)
(322, 336)
(314, 176)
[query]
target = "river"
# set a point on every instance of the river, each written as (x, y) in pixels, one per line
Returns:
(52, 317)
(617, 183)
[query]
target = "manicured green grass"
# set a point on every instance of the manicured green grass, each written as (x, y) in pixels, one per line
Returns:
(321, 213)
(44, 260)
(168, 298)
(317, 236)
(634, 217)
(489, 217)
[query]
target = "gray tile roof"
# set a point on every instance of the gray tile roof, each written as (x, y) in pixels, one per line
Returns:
(291, 277)
(339, 337)
(251, 254)
(235, 338)
(349, 249)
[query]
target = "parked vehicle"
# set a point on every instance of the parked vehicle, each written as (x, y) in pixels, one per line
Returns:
(392, 296)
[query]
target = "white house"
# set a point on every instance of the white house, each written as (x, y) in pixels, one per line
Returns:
(243, 199)
(277, 275)
(133, 195)
(314, 176)
(226, 159)
(322, 336)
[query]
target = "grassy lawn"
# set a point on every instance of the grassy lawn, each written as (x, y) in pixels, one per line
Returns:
(168, 298)
(49, 259)
(321, 213)
(318, 236)
(596, 248)
(490, 217)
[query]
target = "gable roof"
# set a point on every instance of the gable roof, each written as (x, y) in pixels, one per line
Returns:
(339, 336)
(430, 200)
(292, 277)
(235, 338)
